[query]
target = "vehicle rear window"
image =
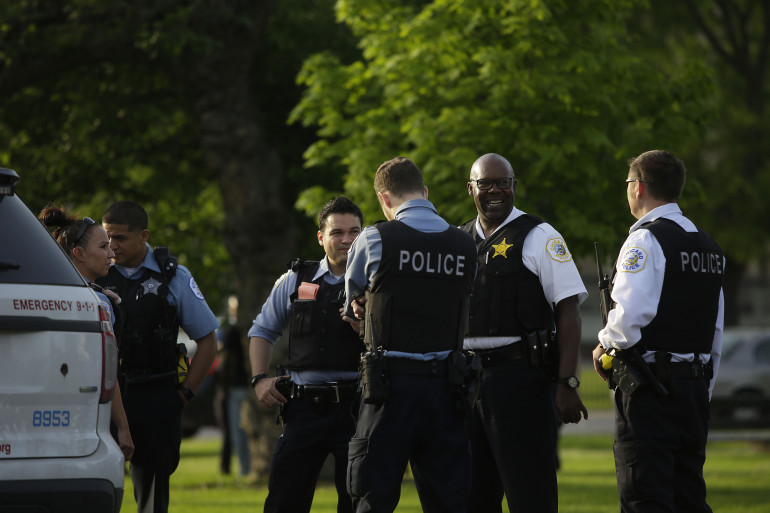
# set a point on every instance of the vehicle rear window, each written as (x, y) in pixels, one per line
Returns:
(28, 253)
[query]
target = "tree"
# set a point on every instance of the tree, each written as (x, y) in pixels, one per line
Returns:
(729, 167)
(552, 85)
(180, 105)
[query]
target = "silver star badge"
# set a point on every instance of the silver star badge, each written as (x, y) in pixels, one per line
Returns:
(151, 286)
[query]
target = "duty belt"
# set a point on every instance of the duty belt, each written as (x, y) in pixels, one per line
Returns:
(499, 355)
(141, 377)
(696, 370)
(329, 393)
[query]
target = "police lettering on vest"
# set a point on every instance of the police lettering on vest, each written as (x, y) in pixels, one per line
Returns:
(701, 262)
(429, 262)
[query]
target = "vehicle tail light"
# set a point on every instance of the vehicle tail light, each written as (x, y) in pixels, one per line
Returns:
(109, 357)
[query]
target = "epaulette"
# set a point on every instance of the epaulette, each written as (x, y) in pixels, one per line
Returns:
(296, 264)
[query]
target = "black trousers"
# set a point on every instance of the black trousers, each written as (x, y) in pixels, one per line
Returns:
(660, 449)
(311, 432)
(513, 441)
(154, 414)
(419, 424)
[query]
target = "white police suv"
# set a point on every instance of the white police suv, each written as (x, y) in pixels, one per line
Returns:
(58, 368)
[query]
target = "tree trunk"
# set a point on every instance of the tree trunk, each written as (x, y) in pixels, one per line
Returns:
(258, 233)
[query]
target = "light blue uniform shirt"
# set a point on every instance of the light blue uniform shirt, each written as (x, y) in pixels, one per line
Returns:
(366, 253)
(275, 317)
(195, 316)
(106, 303)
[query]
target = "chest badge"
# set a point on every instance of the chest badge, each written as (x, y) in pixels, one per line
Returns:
(150, 286)
(501, 249)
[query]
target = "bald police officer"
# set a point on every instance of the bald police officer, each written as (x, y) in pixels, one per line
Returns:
(667, 288)
(527, 284)
(416, 272)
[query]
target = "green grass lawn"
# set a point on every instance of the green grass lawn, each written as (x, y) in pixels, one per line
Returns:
(737, 476)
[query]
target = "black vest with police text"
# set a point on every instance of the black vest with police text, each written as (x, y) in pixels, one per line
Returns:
(508, 299)
(418, 298)
(148, 336)
(689, 301)
(318, 337)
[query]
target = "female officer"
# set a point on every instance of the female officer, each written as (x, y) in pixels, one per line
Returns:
(87, 245)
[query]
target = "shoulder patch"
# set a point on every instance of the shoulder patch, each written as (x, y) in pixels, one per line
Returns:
(195, 289)
(557, 248)
(105, 303)
(633, 260)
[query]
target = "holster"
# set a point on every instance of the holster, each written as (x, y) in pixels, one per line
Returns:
(465, 376)
(284, 386)
(626, 376)
(631, 371)
(374, 377)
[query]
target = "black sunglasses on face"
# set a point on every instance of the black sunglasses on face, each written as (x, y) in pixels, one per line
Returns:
(502, 183)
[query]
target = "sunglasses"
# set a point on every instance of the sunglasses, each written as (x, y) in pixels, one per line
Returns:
(87, 221)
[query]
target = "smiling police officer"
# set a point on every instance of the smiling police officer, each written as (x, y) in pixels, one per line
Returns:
(525, 268)
(324, 353)
(667, 288)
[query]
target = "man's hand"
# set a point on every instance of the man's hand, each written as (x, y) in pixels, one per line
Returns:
(569, 406)
(596, 356)
(359, 307)
(359, 310)
(267, 394)
(354, 323)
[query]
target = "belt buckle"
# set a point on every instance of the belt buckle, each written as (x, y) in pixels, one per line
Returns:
(320, 393)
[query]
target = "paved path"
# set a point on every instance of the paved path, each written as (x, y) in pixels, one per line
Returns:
(601, 422)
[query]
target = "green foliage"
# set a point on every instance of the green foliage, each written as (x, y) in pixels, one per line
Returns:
(90, 116)
(100, 101)
(729, 167)
(553, 86)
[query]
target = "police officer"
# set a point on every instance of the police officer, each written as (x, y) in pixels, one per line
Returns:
(524, 269)
(158, 296)
(324, 352)
(416, 272)
(669, 307)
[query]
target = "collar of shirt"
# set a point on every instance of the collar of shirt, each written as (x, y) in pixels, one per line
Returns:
(329, 277)
(403, 211)
(669, 210)
(515, 212)
(421, 215)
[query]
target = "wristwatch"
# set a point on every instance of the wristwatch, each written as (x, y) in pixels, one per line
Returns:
(570, 382)
(255, 379)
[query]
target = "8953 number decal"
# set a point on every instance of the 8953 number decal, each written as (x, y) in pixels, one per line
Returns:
(51, 418)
